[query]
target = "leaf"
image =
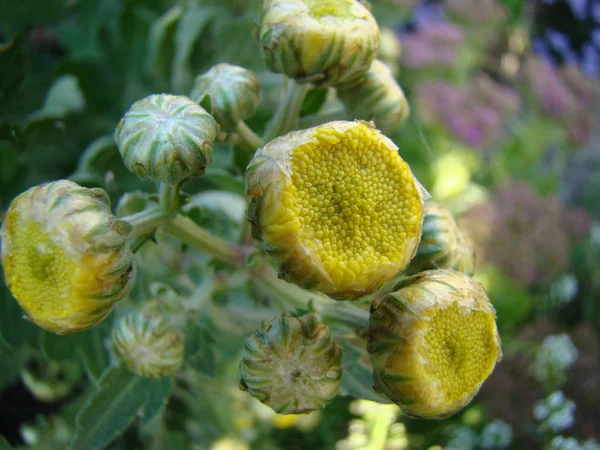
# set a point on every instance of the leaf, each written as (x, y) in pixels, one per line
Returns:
(161, 46)
(4, 445)
(189, 28)
(14, 329)
(120, 398)
(64, 97)
(315, 99)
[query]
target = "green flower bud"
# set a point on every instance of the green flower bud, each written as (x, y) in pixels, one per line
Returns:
(65, 256)
(148, 345)
(292, 364)
(166, 138)
(337, 207)
(233, 92)
(377, 97)
(324, 42)
(50, 381)
(443, 245)
(433, 342)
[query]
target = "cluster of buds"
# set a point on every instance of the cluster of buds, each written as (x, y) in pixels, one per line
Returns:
(485, 107)
(566, 94)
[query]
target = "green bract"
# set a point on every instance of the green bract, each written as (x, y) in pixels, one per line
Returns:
(166, 138)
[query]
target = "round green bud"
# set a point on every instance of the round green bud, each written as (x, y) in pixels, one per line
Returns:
(148, 345)
(166, 138)
(233, 91)
(292, 364)
(443, 245)
(65, 256)
(324, 42)
(377, 97)
(433, 342)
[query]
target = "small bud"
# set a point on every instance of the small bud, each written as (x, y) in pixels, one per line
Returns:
(65, 256)
(337, 206)
(166, 138)
(443, 245)
(377, 97)
(149, 345)
(433, 343)
(324, 42)
(233, 92)
(292, 364)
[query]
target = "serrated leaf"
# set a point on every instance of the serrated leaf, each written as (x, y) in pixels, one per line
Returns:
(120, 398)
(188, 31)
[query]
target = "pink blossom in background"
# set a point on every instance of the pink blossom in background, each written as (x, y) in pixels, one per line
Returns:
(477, 11)
(433, 44)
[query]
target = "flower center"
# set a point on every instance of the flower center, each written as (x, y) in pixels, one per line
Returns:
(460, 350)
(356, 200)
(322, 8)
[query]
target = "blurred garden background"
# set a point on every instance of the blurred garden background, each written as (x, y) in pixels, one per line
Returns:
(504, 99)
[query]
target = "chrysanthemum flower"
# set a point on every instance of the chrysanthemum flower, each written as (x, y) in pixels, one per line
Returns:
(325, 42)
(337, 206)
(433, 343)
(65, 256)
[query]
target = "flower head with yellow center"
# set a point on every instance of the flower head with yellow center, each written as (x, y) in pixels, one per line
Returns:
(65, 256)
(325, 42)
(337, 206)
(433, 342)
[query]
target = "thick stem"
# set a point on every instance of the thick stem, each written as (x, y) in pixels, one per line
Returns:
(249, 137)
(169, 197)
(145, 222)
(187, 231)
(288, 111)
(289, 297)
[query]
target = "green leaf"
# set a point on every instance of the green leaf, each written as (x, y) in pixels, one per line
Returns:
(120, 398)
(313, 101)
(64, 97)
(4, 445)
(161, 46)
(14, 329)
(189, 28)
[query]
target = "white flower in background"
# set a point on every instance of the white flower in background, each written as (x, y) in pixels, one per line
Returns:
(496, 435)
(562, 291)
(564, 443)
(590, 445)
(555, 413)
(462, 438)
(556, 354)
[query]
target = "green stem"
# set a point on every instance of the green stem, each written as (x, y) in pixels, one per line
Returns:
(289, 297)
(288, 111)
(187, 231)
(169, 197)
(145, 222)
(249, 137)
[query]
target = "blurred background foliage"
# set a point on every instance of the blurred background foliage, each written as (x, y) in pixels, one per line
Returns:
(504, 98)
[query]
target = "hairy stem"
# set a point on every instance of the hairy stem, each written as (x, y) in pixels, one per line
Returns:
(250, 139)
(145, 222)
(169, 197)
(288, 111)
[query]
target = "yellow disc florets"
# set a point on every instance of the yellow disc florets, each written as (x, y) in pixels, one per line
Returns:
(65, 256)
(338, 206)
(433, 342)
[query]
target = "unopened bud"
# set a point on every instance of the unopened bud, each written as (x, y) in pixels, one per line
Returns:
(65, 256)
(292, 365)
(433, 343)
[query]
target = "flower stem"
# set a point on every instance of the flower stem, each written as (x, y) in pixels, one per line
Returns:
(288, 111)
(145, 222)
(187, 231)
(249, 137)
(169, 197)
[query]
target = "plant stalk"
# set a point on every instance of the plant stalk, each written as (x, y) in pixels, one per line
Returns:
(288, 111)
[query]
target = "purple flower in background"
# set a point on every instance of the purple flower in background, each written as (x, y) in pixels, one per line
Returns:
(579, 8)
(596, 11)
(477, 11)
(590, 60)
(560, 42)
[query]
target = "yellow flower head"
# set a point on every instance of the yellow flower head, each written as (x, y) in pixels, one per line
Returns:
(233, 91)
(337, 206)
(433, 343)
(325, 42)
(292, 364)
(378, 97)
(65, 256)
(443, 245)
(149, 345)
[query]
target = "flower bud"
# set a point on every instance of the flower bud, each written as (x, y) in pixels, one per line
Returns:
(433, 342)
(65, 256)
(148, 345)
(166, 138)
(324, 42)
(377, 97)
(292, 364)
(233, 93)
(337, 206)
(443, 245)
